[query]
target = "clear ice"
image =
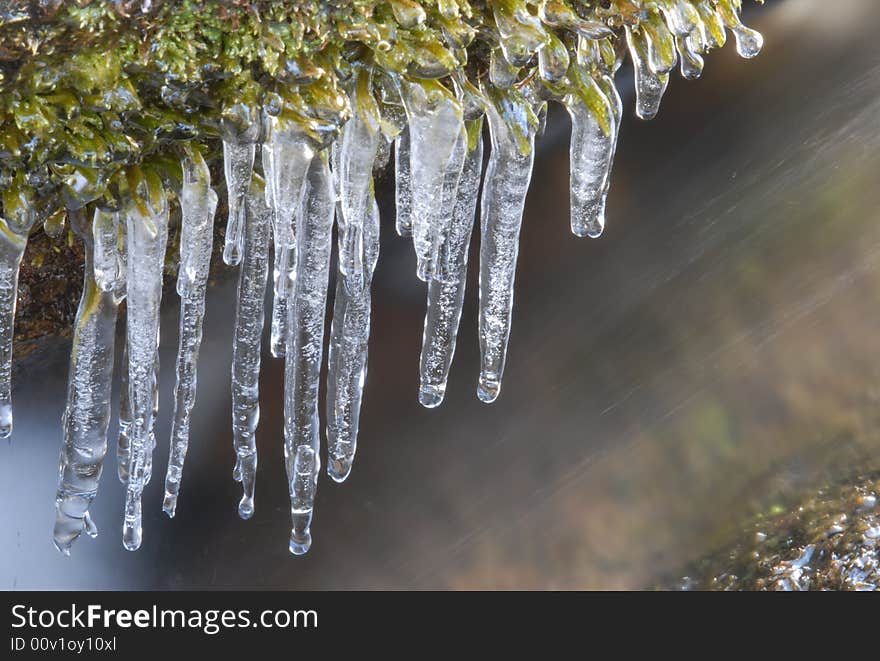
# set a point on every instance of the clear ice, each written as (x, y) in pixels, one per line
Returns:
(247, 340)
(13, 241)
(147, 235)
(87, 414)
(504, 195)
(311, 172)
(198, 202)
(305, 349)
(286, 154)
(347, 355)
(591, 153)
(446, 296)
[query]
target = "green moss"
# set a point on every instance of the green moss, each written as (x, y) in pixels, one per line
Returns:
(92, 91)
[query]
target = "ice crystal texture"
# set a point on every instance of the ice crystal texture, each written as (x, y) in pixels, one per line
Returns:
(291, 173)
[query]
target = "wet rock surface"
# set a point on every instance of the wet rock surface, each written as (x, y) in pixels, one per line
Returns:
(828, 541)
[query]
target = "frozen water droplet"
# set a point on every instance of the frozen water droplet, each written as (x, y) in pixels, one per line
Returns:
(748, 42)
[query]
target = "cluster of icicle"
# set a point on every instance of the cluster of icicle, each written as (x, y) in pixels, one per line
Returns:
(289, 210)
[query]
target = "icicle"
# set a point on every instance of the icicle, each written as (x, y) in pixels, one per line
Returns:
(650, 86)
(402, 184)
(198, 202)
(507, 180)
(353, 163)
(691, 62)
(238, 165)
(437, 152)
(591, 151)
(347, 361)
(148, 456)
(147, 234)
(445, 298)
(247, 338)
(123, 442)
(87, 414)
(108, 267)
(287, 153)
(748, 42)
(13, 241)
(305, 343)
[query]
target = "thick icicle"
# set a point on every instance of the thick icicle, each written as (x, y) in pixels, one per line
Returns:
(247, 339)
(353, 163)
(198, 202)
(504, 193)
(347, 361)
(286, 155)
(87, 414)
(437, 139)
(591, 151)
(147, 235)
(13, 241)
(238, 165)
(305, 345)
(650, 86)
(402, 185)
(446, 296)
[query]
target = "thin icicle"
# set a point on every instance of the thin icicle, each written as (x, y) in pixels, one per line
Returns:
(451, 178)
(238, 165)
(446, 295)
(437, 136)
(13, 241)
(403, 185)
(108, 267)
(353, 170)
(87, 414)
(123, 441)
(591, 152)
(147, 235)
(286, 153)
(650, 86)
(249, 313)
(347, 361)
(198, 202)
(305, 344)
(507, 180)
(148, 456)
